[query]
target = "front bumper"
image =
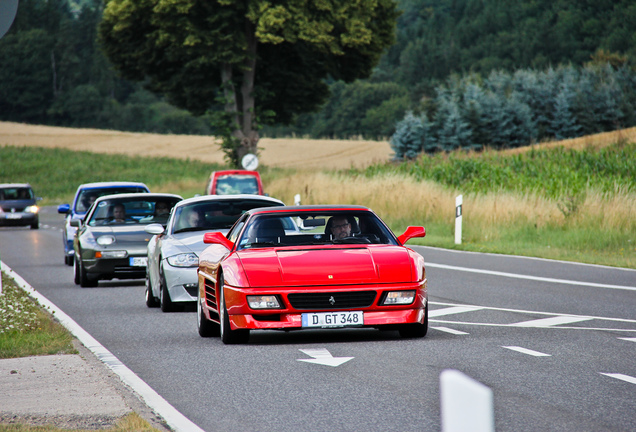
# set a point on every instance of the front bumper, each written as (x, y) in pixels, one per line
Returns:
(114, 268)
(182, 283)
(18, 219)
(375, 315)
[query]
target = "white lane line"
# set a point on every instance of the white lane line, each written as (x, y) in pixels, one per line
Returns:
(527, 351)
(549, 322)
(623, 320)
(450, 330)
(535, 278)
(452, 310)
(173, 418)
(482, 324)
(627, 378)
(629, 339)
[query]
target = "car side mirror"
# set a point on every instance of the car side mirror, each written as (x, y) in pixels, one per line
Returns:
(412, 232)
(75, 223)
(63, 208)
(154, 229)
(217, 238)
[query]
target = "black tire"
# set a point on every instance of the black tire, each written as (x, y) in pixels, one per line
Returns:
(229, 336)
(166, 303)
(206, 327)
(85, 280)
(68, 260)
(35, 225)
(76, 272)
(415, 330)
(151, 300)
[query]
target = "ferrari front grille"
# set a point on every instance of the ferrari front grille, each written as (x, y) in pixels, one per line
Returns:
(332, 300)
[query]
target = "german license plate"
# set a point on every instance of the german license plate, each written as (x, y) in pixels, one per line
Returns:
(14, 216)
(138, 261)
(333, 319)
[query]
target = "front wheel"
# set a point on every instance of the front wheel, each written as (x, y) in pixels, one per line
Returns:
(206, 327)
(229, 336)
(166, 302)
(151, 300)
(85, 280)
(416, 330)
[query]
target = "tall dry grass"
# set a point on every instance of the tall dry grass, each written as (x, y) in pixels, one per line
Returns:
(397, 198)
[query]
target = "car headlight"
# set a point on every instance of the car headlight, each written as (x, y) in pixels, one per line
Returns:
(184, 260)
(399, 297)
(32, 209)
(263, 302)
(105, 240)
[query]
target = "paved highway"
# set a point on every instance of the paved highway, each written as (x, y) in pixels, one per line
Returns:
(555, 341)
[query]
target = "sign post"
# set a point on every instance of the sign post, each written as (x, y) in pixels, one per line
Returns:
(458, 219)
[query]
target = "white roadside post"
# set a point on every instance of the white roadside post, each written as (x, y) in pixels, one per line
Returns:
(297, 199)
(458, 219)
(467, 405)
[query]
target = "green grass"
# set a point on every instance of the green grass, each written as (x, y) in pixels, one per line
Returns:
(26, 329)
(55, 174)
(556, 173)
(130, 423)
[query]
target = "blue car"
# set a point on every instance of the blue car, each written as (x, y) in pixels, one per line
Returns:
(84, 197)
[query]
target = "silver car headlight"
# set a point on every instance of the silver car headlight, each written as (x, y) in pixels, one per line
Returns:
(105, 240)
(184, 260)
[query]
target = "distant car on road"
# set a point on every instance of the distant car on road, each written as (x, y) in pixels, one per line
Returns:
(343, 267)
(86, 194)
(233, 182)
(111, 242)
(173, 252)
(18, 205)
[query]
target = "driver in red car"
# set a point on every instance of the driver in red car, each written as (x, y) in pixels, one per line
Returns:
(340, 227)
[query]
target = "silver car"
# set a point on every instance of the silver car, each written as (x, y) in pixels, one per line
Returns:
(173, 251)
(111, 242)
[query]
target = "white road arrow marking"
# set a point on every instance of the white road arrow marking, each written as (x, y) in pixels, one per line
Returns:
(323, 357)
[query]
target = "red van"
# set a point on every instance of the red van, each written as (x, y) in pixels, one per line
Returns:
(233, 182)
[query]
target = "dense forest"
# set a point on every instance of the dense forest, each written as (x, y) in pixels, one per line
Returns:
(470, 61)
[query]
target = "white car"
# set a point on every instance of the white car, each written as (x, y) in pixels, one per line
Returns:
(173, 251)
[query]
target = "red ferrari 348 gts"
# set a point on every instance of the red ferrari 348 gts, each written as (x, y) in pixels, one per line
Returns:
(308, 267)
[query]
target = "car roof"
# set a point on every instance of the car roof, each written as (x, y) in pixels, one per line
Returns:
(15, 185)
(302, 208)
(237, 197)
(236, 171)
(114, 184)
(144, 195)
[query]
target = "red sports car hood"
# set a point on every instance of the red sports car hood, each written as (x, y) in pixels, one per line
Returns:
(333, 266)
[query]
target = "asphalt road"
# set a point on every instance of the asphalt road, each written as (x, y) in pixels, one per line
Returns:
(555, 341)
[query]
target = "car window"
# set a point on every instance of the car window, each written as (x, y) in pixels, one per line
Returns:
(236, 184)
(86, 197)
(315, 228)
(16, 193)
(130, 211)
(213, 215)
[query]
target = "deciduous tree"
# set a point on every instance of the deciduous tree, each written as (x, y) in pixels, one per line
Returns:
(264, 60)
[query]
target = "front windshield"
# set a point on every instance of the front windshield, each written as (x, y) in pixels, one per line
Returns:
(214, 214)
(125, 211)
(88, 196)
(315, 228)
(16, 193)
(233, 184)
